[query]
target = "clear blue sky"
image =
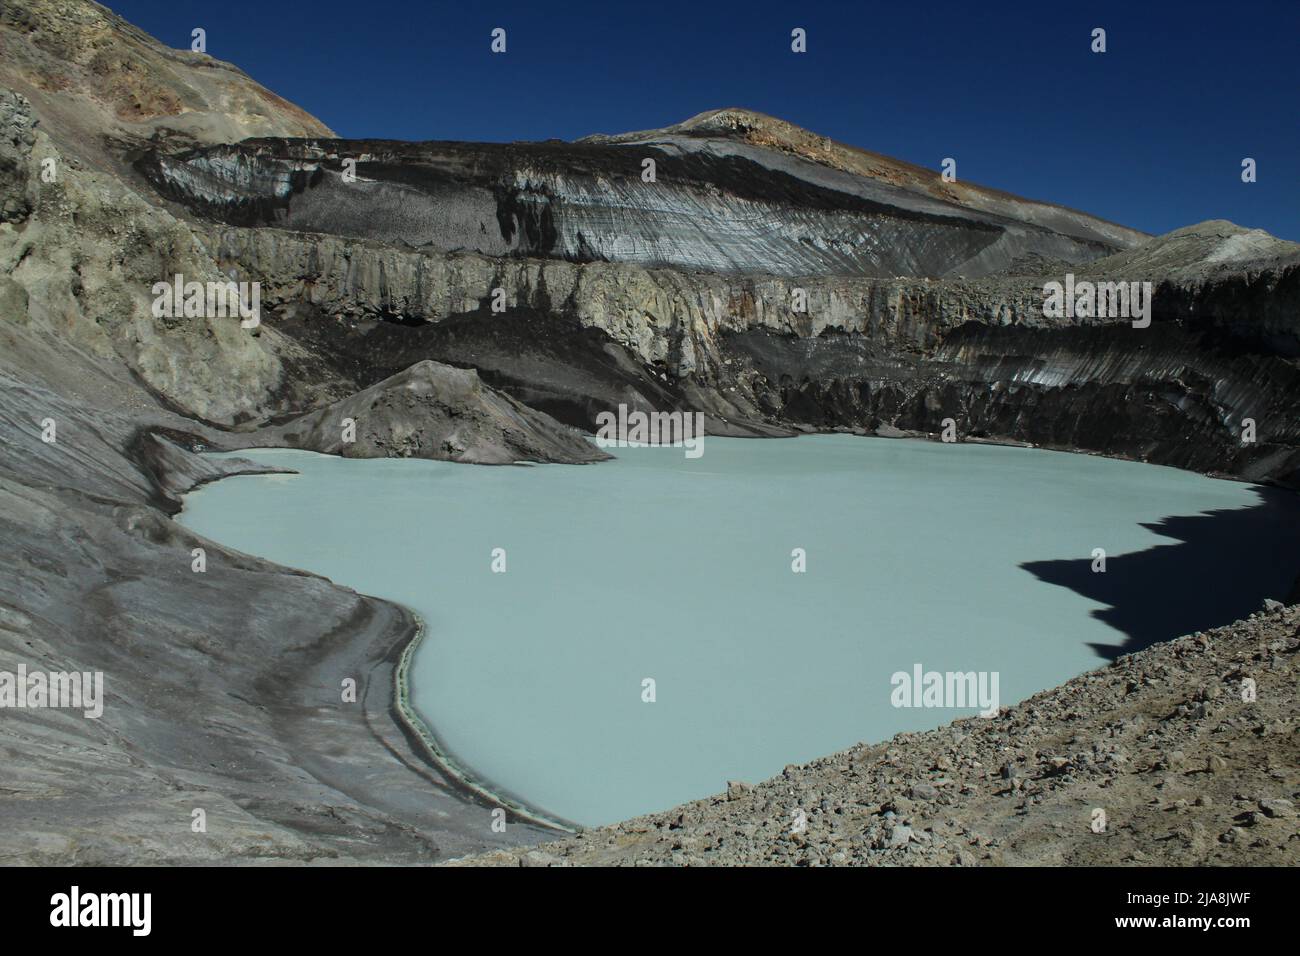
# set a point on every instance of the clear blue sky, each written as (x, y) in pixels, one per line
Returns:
(1151, 134)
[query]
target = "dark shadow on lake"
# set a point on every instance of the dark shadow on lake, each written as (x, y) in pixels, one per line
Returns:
(1226, 562)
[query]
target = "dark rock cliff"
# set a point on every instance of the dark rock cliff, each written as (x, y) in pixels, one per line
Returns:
(575, 338)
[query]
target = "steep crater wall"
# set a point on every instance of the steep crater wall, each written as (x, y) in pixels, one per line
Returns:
(902, 353)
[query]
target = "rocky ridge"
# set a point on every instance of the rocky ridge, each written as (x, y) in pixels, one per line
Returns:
(752, 130)
(105, 88)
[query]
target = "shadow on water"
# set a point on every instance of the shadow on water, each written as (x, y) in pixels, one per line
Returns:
(1227, 562)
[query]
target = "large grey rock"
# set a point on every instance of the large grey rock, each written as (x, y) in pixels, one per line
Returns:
(435, 411)
(17, 136)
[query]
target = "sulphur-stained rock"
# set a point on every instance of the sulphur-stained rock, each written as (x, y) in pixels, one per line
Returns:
(435, 411)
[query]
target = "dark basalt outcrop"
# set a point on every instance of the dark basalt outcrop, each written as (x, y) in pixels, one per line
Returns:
(1171, 400)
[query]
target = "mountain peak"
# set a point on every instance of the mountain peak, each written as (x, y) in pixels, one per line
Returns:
(751, 129)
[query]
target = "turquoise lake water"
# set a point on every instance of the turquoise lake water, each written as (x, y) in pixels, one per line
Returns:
(654, 566)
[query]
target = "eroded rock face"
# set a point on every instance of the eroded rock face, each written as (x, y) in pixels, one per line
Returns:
(922, 301)
(716, 206)
(1173, 400)
(902, 353)
(78, 264)
(81, 92)
(87, 257)
(17, 137)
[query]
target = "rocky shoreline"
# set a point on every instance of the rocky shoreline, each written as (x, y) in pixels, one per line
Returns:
(223, 694)
(626, 843)
(423, 738)
(709, 818)
(1184, 772)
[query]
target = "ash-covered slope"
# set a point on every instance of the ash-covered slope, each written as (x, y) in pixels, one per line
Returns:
(715, 203)
(747, 132)
(221, 686)
(103, 87)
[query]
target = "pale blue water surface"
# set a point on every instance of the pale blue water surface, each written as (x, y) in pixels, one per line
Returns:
(957, 557)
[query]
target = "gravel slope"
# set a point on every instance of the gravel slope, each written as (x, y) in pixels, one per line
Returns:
(1186, 772)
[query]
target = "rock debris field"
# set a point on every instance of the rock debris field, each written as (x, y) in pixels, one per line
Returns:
(1185, 771)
